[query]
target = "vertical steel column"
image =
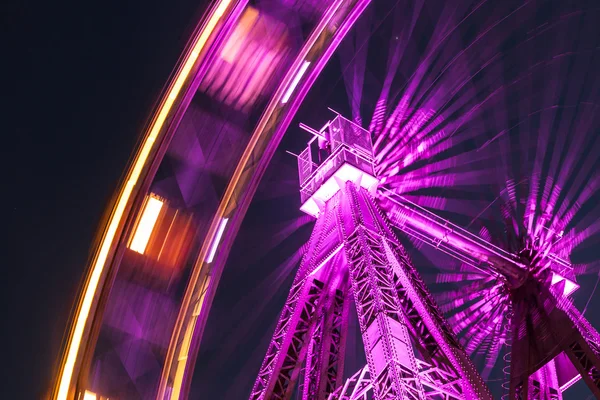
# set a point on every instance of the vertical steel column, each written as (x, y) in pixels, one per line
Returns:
(446, 348)
(456, 371)
(388, 347)
(391, 301)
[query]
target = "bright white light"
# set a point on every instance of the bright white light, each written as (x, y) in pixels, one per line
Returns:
(310, 207)
(570, 287)
(294, 83)
(331, 186)
(89, 395)
(146, 225)
(421, 147)
(215, 244)
(555, 278)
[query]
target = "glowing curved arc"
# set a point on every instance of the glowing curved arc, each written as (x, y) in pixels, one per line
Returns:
(62, 387)
(325, 38)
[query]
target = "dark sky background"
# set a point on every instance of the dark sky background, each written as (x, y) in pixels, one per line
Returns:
(82, 79)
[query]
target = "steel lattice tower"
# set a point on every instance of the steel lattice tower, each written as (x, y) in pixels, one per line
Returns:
(354, 252)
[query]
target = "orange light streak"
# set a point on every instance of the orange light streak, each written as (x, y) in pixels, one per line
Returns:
(89, 395)
(85, 305)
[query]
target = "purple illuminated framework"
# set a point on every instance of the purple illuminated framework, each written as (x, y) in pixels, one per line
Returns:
(411, 351)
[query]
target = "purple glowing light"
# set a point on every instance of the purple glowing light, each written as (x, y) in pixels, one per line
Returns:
(421, 131)
(332, 185)
(250, 60)
(215, 243)
(569, 285)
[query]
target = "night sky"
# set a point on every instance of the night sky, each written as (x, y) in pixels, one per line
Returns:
(82, 79)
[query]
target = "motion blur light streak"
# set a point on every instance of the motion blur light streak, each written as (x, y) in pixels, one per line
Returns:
(449, 130)
(454, 101)
(329, 30)
(146, 224)
(294, 83)
(215, 244)
(63, 386)
(89, 395)
(465, 73)
(256, 49)
(234, 43)
(374, 271)
(569, 383)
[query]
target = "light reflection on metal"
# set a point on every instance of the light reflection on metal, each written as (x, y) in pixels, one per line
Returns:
(217, 240)
(146, 224)
(294, 83)
(419, 149)
(427, 226)
(455, 241)
(569, 285)
(545, 218)
(62, 385)
(570, 383)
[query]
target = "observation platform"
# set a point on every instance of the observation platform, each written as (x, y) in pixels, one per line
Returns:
(339, 152)
(342, 151)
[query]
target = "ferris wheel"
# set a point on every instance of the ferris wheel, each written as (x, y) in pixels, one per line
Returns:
(460, 146)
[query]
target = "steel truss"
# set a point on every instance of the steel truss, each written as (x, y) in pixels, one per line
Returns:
(353, 251)
(561, 336)
(359, 385)
(561, 329)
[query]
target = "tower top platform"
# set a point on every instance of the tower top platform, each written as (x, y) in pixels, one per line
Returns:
(340, 151)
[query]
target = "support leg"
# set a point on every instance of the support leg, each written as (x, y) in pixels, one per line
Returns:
(286, 350)
(388, 348)
(544, 325)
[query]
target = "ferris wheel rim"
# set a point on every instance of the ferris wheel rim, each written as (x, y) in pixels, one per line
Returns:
(64, 384)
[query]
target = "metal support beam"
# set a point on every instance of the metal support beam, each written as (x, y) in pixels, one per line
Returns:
(544, 326)
(391, 303)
